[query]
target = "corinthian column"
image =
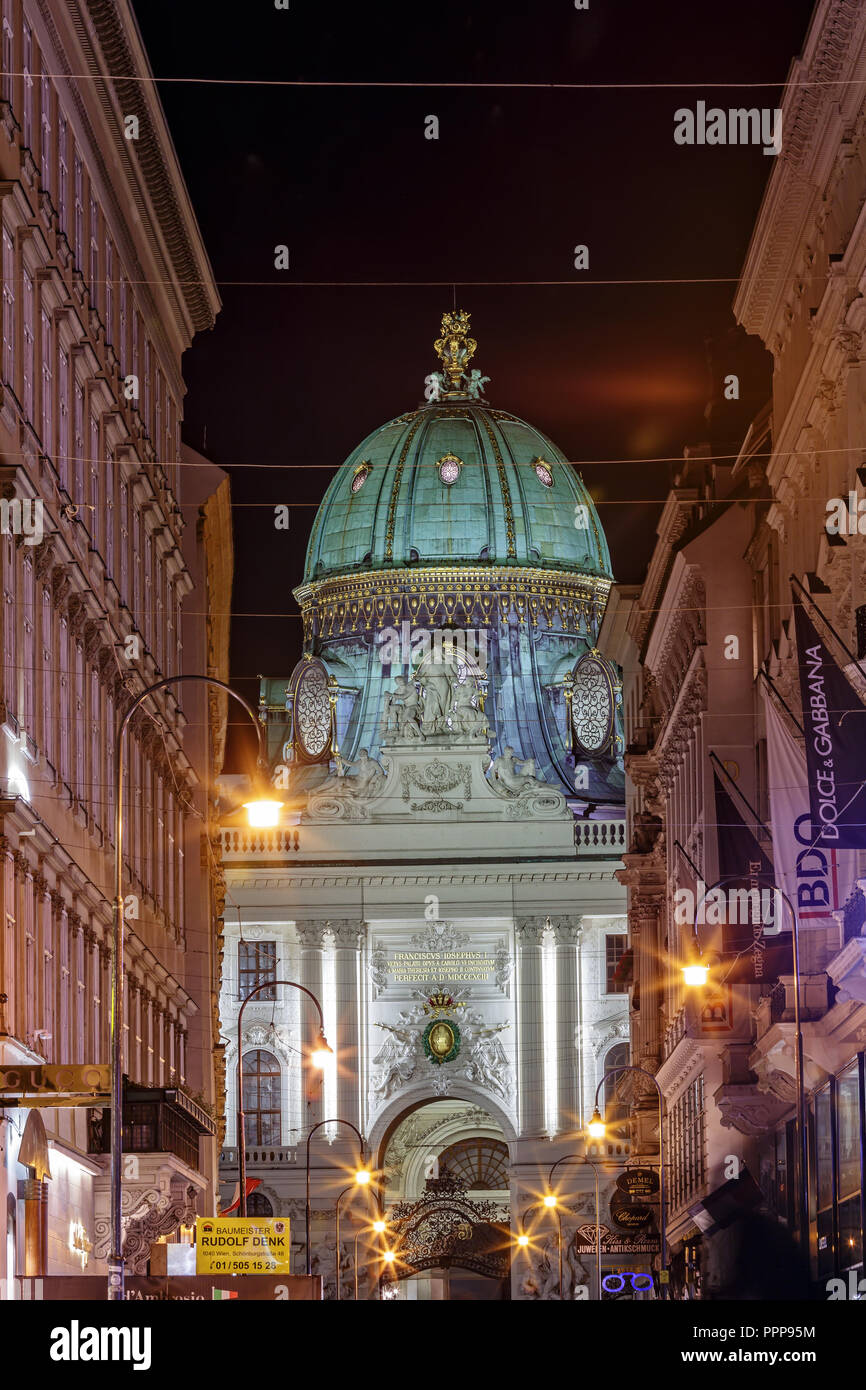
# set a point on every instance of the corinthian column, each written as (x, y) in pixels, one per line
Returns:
(347, 935)
(530, 931)
(567, 934)
(310, 936)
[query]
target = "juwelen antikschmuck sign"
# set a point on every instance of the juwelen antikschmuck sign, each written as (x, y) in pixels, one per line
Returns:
(242, 1245)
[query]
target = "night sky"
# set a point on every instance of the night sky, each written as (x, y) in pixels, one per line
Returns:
(293, 377)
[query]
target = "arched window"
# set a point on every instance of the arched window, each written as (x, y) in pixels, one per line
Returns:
(262, 1097)
(615, 1110)
(259, 1205)
(482, 1164)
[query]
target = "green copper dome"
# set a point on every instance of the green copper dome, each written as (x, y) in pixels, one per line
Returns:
(456, 482)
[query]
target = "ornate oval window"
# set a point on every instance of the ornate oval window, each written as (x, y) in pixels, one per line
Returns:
(313, 712)
(592, 704)
(542, 472)
(360, 476)
(449, 469)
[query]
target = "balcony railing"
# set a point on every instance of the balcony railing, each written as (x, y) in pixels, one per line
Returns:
(592, 838)
(261, 1157)
(240, 843)
(154, 1121)
(599, 837)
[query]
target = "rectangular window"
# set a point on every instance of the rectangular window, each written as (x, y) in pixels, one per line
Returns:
(109, 511)
(78, 445)
(122, 344)
(94, 514)
(688, 1163)
(29, 358)
(47, 386)
(257, 965)
(28, 644)
(8, 308)
(65, 682)
(27, 64)
(109, 291)
(46, 155)
(123, 540)
(62, 456)
(850, 1124)
(79, 210)
(95, 286)
(49, 658)
(6, 75)
(63, 173)
(614, 950)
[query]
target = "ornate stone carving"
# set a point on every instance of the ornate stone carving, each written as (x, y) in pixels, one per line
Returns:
(346, 931)
(509, 776)
(311, 933)
(437, 777)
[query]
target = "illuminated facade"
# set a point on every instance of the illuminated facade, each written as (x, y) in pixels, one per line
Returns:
(445, 877)
(105, 281)
(692, 641)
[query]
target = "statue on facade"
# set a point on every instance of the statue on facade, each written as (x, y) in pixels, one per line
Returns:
(475, 384)
(542, 1281)
(402, 714)
(434, 679)
(488, 1063)
(466, 717)
(368, 777)
(396, 1060)
(512, 777)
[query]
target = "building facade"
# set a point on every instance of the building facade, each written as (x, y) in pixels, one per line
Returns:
(713, 620)
(444, 880)
(104, 283)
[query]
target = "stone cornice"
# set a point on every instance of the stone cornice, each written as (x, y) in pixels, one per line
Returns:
(354, 602)
(814, 118)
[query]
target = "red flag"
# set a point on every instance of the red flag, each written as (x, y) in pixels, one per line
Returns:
(251, 1185)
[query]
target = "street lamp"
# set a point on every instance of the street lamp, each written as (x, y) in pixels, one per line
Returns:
(362, 1175)
(802, 1135)
(318, 1057)
(379, 1227)
(351, 1187)
(581, 1158)
(115, 1258)
(597, 1129)
(548, 1204)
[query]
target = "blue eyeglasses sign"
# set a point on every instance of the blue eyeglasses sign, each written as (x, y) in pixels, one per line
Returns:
(610, 1286)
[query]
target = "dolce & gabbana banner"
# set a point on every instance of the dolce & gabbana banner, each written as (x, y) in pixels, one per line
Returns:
(835, 723)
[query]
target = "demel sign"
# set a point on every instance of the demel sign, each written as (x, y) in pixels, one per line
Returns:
(242, 1245)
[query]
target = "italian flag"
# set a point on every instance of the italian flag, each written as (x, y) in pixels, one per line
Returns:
(224, 1293)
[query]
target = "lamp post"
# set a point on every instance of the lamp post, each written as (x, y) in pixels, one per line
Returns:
(261, 811)
(581, 1158)
(549, 1204)
(802, 1135)
(351, 1187)
(358, 1178)
(597, 1128)
(378, 1227)
(318, 1057)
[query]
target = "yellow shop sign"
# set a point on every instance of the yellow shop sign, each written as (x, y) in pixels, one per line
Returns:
(242, 1245)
